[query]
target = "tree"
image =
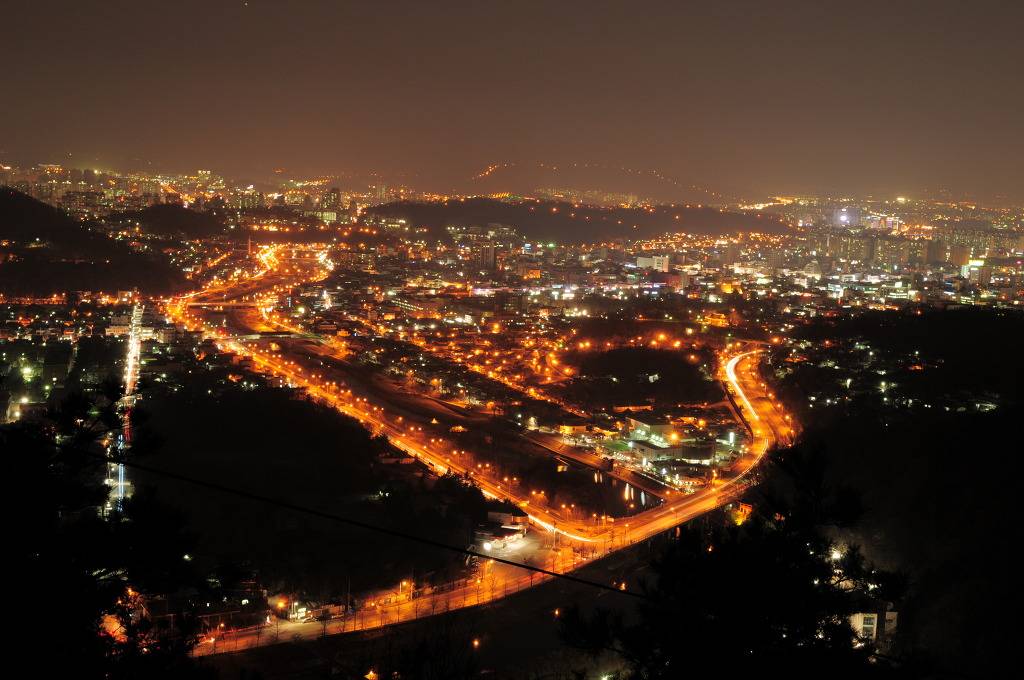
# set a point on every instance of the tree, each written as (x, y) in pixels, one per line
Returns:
(80, 572)
(774, 593)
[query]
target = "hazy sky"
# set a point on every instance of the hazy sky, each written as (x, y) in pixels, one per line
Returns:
(746, 97)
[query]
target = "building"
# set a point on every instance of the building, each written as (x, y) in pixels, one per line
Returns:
(846, 217)
(645, 430)
(659, 263)
(649, 451)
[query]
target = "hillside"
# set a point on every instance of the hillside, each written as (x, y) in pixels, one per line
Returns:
(563, 222)
(48, 252)
(25, 220)
(173, 220)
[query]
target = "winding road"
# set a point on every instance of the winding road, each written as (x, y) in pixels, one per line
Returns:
(582, 540)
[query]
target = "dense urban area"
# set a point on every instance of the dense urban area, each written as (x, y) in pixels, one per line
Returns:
(461, 340)
(306, 415)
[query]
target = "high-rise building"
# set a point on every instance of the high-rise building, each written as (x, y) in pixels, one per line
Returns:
(849, 247)
(936, 251)
(331, 200)
(487, 257)
(959, 254)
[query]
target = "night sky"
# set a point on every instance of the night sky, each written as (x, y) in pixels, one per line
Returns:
(746, 97)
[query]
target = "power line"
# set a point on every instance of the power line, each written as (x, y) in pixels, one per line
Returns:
(294, 507)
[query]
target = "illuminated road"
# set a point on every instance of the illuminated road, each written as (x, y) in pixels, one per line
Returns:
(760, 410)
(116, 473)
(582, 540)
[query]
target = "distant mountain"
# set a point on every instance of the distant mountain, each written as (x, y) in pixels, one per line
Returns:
(558, 221)
(598, 183)
(51, 253)
(173, 220)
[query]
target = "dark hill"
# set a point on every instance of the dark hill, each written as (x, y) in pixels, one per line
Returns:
(24, 219)
(52, 253)
(173, 220)
(547, 220)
